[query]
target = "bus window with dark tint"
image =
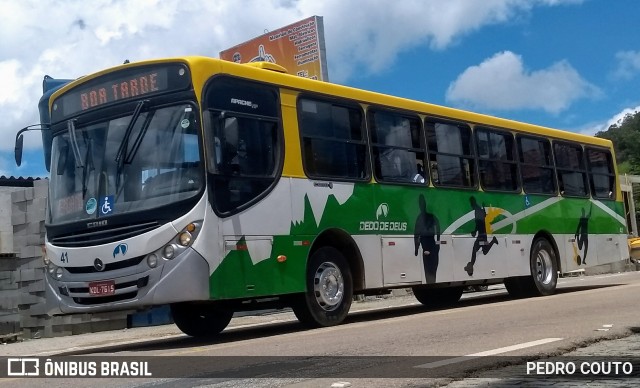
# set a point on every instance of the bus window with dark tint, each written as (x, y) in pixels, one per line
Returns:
(244, 142)
(397, 151)
(451, 160)
(244, 159)
(497, 162)
(572, 176)
(536, 165)
(333, 144)
(601, 173)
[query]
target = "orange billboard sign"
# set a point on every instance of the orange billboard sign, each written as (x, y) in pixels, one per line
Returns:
(298, 47)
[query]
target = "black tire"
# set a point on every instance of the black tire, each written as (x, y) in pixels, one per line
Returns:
(544, 268)
(544, 273)
(329, 290)
(438, 297)
(197, 320)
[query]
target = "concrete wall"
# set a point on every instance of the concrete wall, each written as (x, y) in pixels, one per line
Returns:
(22, 272)
(6, 227)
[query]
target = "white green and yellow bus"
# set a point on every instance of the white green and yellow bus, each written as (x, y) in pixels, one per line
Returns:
(217, 187)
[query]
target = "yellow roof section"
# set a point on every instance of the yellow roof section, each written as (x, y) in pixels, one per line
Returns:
(204, 67)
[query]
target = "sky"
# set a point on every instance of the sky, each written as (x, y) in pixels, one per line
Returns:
(567, 64)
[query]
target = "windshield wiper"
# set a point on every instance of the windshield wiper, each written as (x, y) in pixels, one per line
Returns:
(121, 154)
(88, 163)
(138, 141)
(125, 139)
(71, 127)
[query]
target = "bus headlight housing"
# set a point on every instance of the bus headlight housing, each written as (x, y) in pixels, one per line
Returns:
(45, 258)
(152, 260)
(54, 271)
(51, 268)
(184, 238)
(181, 241)
(169, 252)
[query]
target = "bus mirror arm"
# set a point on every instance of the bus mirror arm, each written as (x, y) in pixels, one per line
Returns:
(20, 139)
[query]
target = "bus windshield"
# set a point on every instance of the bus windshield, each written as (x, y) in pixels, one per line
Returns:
(136, 162)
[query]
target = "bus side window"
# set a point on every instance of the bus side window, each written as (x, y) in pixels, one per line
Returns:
(497, 160)
(451, 153)
(536, 165)
(572, 175)
(601, 173)
(397, 147)
(243, 157)
(333, 142)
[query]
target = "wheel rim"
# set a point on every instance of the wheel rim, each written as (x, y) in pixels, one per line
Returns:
(328, 286)
(544, 267)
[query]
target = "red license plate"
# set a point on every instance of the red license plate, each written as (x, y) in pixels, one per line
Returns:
(107, 287)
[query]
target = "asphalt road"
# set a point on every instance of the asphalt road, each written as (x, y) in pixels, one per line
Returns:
(393, 342)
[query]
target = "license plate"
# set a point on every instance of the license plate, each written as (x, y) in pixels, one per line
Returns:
(107, 287)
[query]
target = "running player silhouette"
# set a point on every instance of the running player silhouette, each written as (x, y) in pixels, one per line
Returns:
(582, 235)
(426, 231)
(480, 233)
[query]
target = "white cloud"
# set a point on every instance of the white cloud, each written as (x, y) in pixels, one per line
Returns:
(592, 129)
(628, 64)
(503, 83)
(69, 38)
(372, 36)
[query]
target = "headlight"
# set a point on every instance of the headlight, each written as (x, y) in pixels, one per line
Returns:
(168, 252)
(51, 268)
(177, 245)
(45, 258)
(152, 260)
(58, 273)
(184, 239)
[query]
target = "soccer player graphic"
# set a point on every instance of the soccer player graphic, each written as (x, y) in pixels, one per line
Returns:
(582, 238)
(480, 233)
(426, 232)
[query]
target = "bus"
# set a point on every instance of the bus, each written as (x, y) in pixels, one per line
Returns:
(215, 187)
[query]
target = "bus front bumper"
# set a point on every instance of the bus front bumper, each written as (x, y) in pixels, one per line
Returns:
(185, 278)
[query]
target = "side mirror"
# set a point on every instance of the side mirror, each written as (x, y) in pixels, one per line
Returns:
(20, 140)
(18, 149)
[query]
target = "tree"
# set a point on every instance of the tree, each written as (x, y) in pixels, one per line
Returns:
(625, 135)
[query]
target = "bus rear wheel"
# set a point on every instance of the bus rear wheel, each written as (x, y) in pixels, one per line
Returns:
(438, 297)
(329, 290)
(200, 320)
(544, 273)
(544, 270)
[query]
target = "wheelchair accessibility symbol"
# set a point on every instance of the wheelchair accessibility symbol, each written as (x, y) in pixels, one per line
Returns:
(106, 205)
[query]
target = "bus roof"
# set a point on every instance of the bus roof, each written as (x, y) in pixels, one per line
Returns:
(204, 67)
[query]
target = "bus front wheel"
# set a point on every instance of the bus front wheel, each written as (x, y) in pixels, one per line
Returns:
(329, 290)
(200, 320)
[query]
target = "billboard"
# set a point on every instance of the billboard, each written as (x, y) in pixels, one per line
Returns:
(298, 47)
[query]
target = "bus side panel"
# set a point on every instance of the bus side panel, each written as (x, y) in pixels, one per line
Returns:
(369, 246)
(252, 242)
(519, 248)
